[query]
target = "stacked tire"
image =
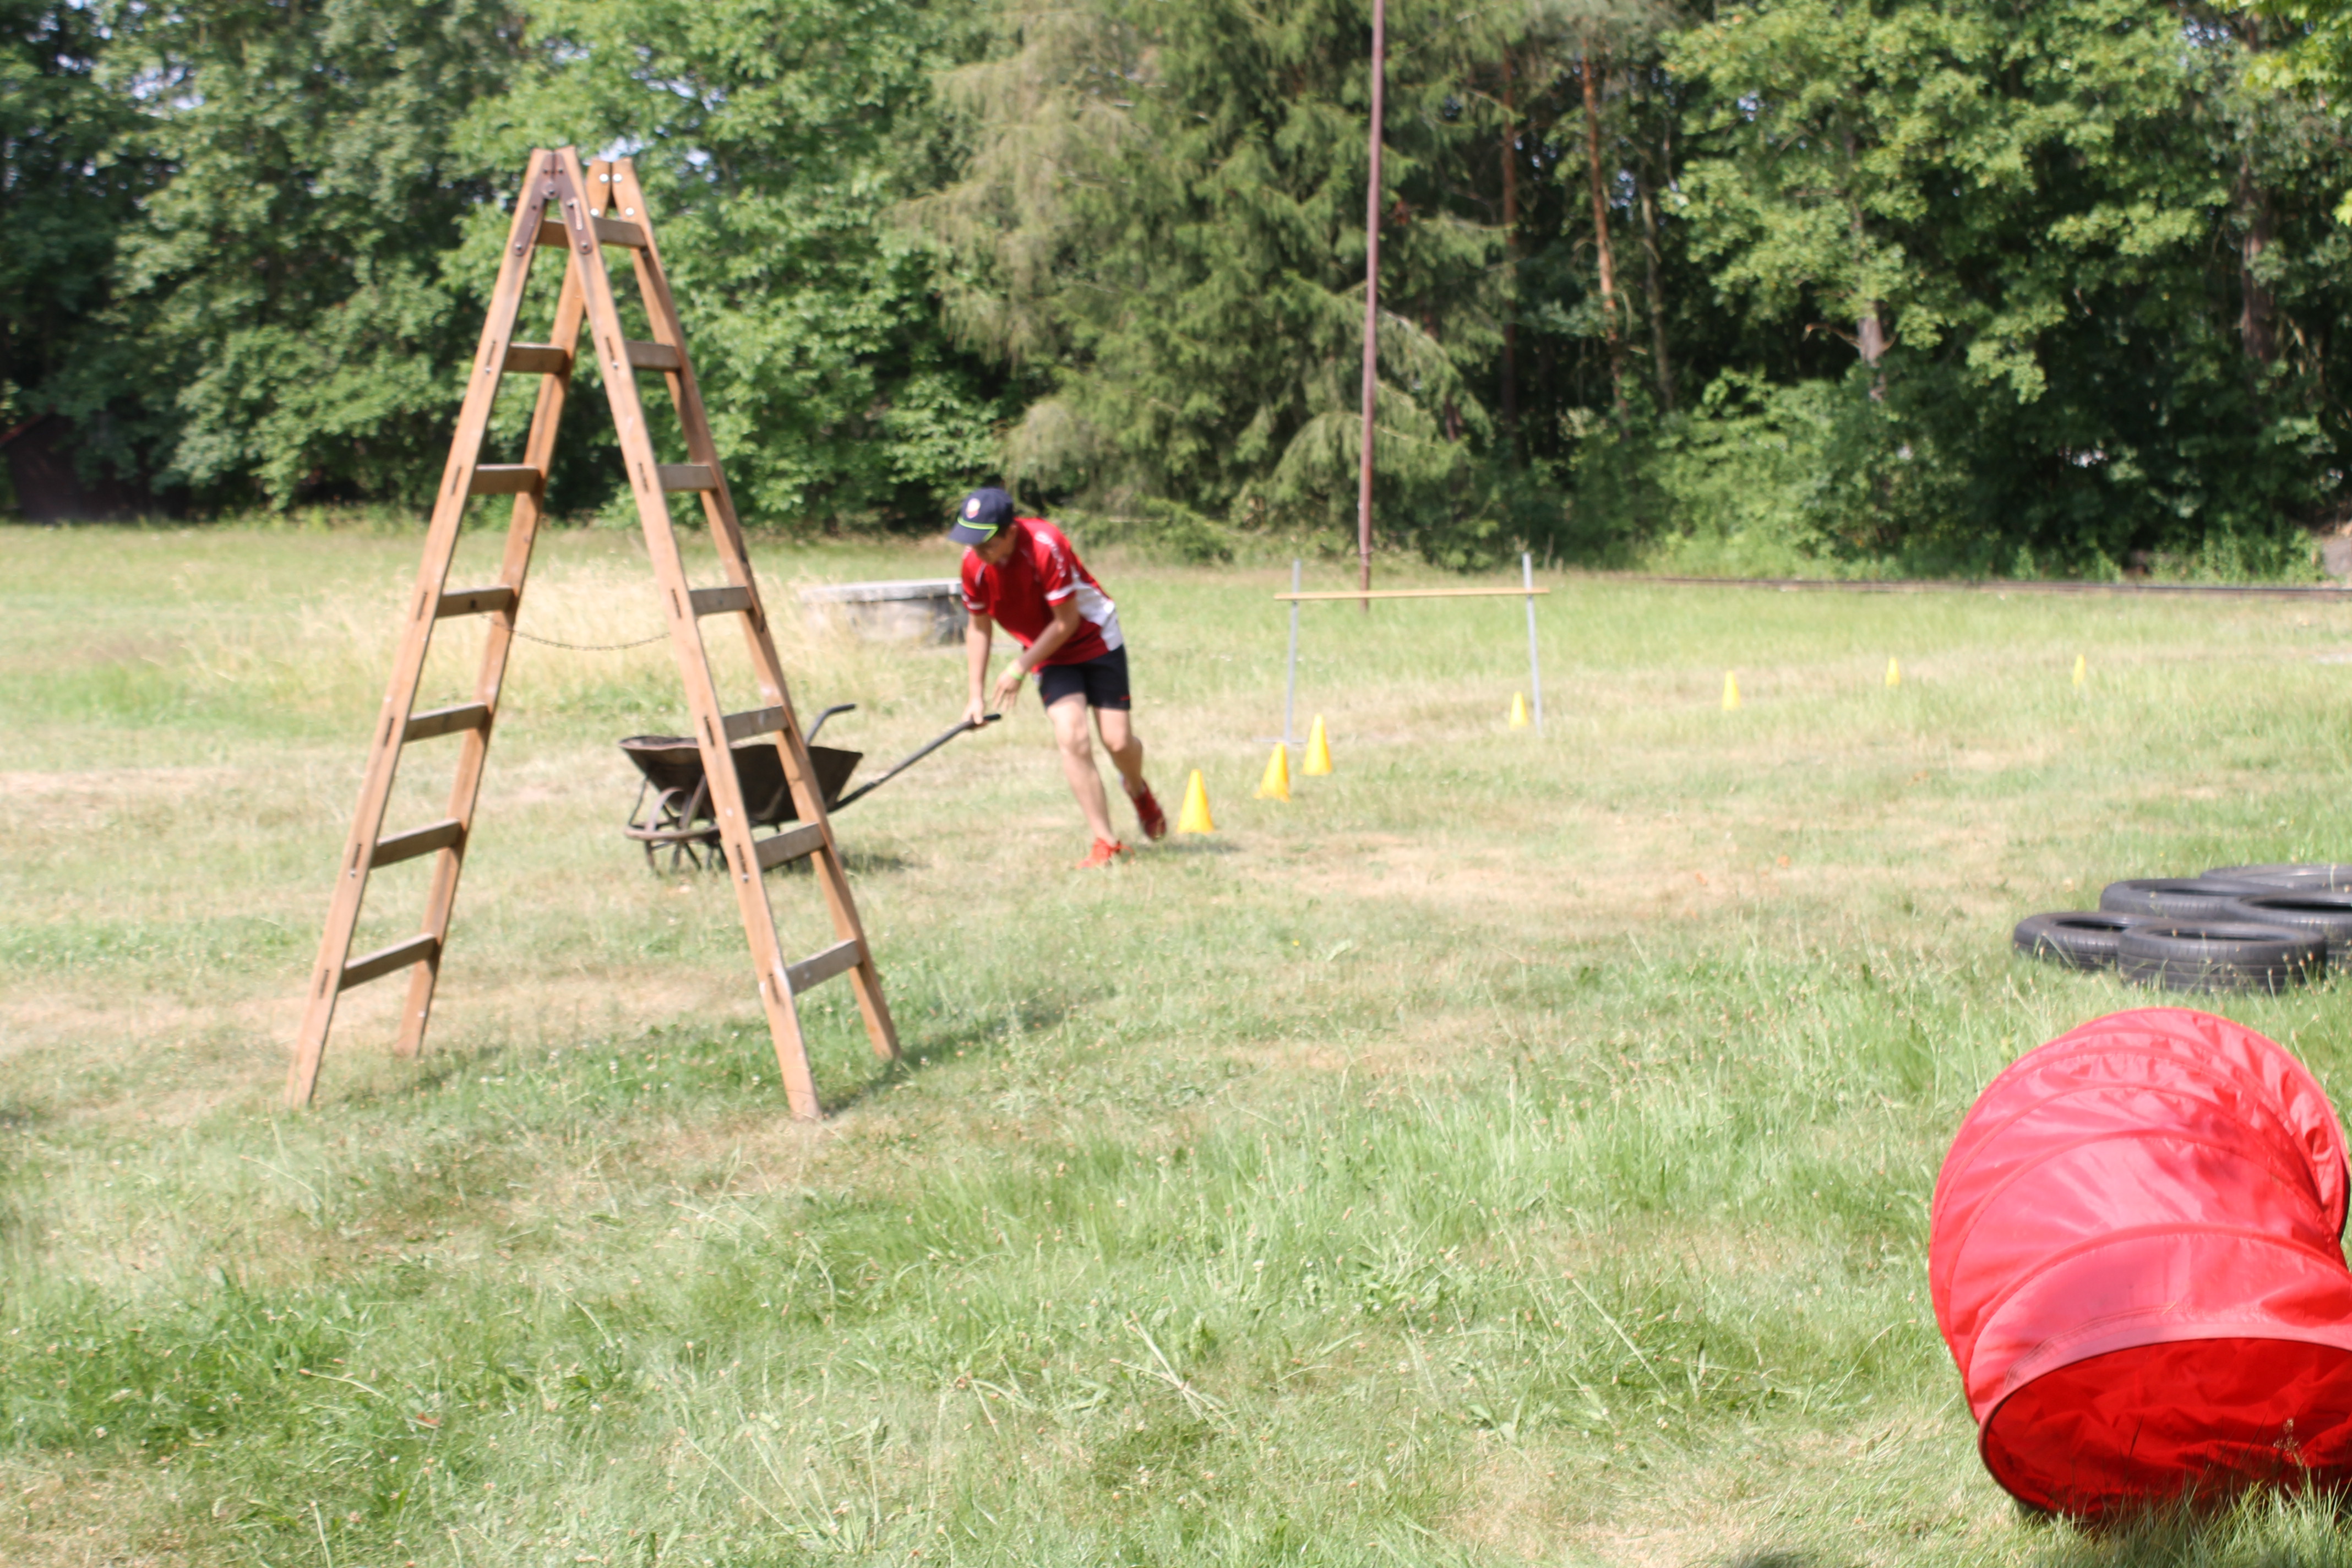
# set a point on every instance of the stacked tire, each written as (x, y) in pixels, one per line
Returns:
(2238, 927)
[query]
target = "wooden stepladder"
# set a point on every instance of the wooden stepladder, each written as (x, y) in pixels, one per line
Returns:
(582, 210)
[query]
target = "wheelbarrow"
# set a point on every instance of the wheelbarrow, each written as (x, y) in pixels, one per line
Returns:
(673, 810)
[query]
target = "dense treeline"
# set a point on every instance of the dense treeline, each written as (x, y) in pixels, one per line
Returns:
(1990, 285)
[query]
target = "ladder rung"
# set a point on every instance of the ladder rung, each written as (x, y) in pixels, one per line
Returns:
(475, 601)
(687, 477)
(417, 841)
(790, 845)
(503, 479)
(536, 359)
(400, 955)
(446, 721)
(720, 602)
(655, 356)
(758, 722)
(824, 966)
(609, 231)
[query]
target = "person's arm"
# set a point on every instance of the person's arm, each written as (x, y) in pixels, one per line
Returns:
(1065, 626)
(978, 632)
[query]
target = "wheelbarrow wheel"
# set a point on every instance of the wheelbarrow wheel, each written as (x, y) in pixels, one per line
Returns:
(673, 812)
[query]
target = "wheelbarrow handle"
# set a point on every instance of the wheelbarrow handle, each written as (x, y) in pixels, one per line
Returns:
(836, 708)
(914, 757)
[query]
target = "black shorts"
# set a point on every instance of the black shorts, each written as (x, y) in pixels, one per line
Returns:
(1103, 681)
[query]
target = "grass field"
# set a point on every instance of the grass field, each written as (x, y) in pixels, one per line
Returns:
(1513, 1150)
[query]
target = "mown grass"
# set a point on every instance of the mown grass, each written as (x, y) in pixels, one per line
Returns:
(1513, 1149)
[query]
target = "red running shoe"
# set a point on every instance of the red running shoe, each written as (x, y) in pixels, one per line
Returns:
(1104, 852)
(1148, 813)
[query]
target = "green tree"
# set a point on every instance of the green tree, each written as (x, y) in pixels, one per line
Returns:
(1161, 221)
(288, 322)
(71, 178)
(2315, 56)
(2029, 224)
(773, 137)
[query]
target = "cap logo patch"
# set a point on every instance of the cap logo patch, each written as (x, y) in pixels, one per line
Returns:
(972, 506)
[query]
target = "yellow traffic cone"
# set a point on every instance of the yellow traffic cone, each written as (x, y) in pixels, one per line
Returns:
(2081, 672)
(1730, 691)
(1276, 784)
(1319, 750)
(1518, 709)
(1894, 673)
(1194, 817)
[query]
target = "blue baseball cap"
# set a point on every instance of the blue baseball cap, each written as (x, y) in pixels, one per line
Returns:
(983, 514)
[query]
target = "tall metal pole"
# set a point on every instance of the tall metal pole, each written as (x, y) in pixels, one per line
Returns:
(1290, 687)
(1535, 665)
(1371, 309)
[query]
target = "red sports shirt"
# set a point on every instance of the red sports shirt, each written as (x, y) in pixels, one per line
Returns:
(1042, 571)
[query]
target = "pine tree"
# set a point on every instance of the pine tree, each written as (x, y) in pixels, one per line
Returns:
(1161, 218)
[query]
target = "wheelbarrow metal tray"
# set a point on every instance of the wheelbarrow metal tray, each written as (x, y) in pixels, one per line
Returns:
(675, 762)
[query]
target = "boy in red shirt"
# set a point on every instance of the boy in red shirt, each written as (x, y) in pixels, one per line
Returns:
(1020, 572)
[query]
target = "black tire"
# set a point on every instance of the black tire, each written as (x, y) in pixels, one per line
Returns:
(2218, 955)
(2079, 939)
(2179, 897)
(2327, 916)
(2315, 876)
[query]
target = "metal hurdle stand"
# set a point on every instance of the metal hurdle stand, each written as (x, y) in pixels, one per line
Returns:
(1526, 589)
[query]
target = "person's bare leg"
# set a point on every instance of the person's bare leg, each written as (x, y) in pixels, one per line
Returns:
(1118, 738)
(1069, 717)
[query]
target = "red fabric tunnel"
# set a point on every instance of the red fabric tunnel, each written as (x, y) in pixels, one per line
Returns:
(2135, 1256)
